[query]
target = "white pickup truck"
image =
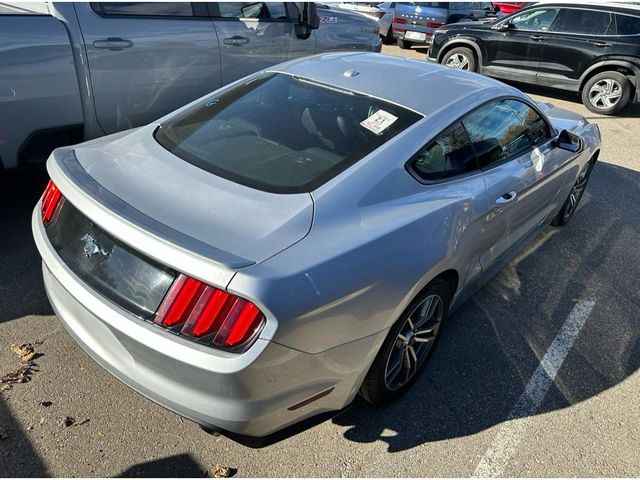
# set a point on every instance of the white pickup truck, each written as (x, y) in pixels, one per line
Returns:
(74, 71)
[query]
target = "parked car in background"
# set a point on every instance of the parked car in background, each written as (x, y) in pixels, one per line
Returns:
(369, 9)
(589, 48)
(510, 7)
(415, 22)
(380, 12)
(304, 234)
(75, 71)
(385, 22)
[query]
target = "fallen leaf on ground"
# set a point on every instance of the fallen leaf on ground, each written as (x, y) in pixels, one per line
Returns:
(65, 422)
(25, 351)
(21, 375)
(5, 387)
(46, 403)
(221, 472)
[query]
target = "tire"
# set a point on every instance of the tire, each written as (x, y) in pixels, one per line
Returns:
(607, 93)
(461, 58)
(380, 386)
(570, 205)
(388, 38)
(403, 45)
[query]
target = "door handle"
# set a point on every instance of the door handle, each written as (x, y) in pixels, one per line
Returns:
(236, 41)
(506, 198)
(537, 38)
(601, 44)
(113, 43)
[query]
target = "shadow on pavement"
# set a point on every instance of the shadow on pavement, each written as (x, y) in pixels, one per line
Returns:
(21, 288)
(17, 456)
(183, 465)
(492, 345)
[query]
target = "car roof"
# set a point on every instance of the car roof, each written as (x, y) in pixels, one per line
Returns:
(610, 7)
(417, 85)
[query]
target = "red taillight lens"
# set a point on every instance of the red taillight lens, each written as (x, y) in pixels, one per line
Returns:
(209, 314)
(50, 200)
(434, 24)
(399, 20)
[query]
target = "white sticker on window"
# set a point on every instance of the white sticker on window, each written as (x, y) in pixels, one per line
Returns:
(379, 121)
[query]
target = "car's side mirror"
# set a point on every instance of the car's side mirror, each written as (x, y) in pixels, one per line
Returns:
(308, 20)
(505, 27)
(570, 141)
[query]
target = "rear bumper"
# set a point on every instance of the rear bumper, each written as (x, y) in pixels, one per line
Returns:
(248, 394)
(427, 41)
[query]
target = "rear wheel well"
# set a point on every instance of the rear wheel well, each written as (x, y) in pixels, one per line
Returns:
(626, 71)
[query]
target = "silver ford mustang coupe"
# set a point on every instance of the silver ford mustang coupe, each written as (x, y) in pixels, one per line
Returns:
(256, 259)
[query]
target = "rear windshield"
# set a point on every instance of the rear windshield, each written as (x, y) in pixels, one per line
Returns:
(282, 134)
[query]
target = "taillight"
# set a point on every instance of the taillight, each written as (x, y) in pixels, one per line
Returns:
(50, 200)
(434, 24)
(399, 20)
(209, 315)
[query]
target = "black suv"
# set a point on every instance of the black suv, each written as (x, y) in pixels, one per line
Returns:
(586, 48)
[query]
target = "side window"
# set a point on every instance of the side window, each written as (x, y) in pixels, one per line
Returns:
(262, 10)
(628, 25)
(502, 129)
(161, 9)
(586, 22)
(538, 20)
(450, 154)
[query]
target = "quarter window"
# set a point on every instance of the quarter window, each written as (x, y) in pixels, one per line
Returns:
(586, 22)
(503, 129)
(534, 21)
(449, 155)
(177, 9)
(628, 25)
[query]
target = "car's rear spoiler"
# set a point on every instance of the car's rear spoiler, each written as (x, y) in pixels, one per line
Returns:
(158, 241)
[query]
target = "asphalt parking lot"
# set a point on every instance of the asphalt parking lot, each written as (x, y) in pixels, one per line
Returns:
(482, 407)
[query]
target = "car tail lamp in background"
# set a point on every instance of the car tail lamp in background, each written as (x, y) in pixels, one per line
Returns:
(398, 20)
(434, 24)
(50, 200)
(209, 315)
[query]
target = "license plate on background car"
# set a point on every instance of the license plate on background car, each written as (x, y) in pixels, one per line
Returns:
(420, 36)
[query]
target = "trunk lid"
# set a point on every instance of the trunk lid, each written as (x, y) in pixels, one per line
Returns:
(241, 225)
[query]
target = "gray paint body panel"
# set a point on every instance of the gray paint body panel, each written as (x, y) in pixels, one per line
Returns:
(38, 85)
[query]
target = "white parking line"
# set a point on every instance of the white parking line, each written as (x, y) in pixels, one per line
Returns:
(504, 445)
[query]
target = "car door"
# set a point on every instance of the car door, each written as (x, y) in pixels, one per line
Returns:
(512, 49)
(147, 59)
(256, 35)
(449, 167)
(523, 171)
(574, 42)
